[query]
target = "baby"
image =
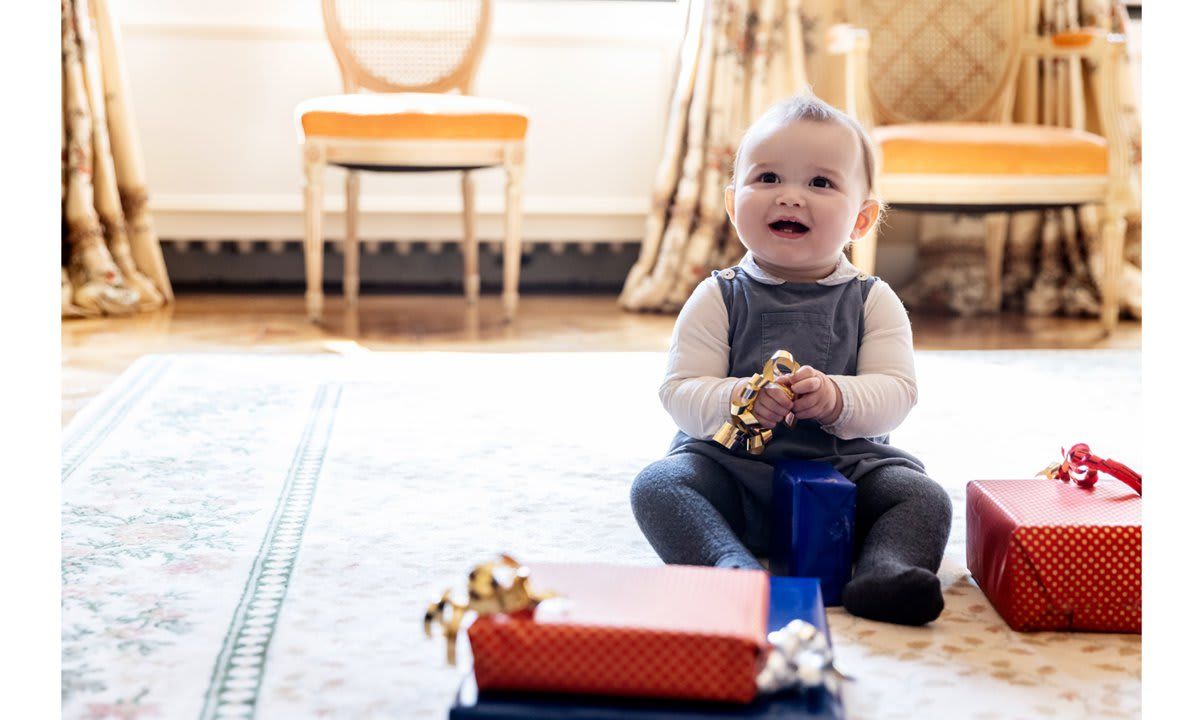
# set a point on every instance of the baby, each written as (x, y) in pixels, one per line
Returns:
(803, 186)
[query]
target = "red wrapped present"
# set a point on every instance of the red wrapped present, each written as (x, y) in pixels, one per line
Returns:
(1058, 555)
(667, 632)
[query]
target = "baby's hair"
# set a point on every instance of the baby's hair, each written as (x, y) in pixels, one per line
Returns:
(807, 106)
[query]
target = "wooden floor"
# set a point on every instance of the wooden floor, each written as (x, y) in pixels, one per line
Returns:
(95, 352)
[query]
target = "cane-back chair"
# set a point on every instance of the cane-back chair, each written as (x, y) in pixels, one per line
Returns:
(407, 67)
(940, 88)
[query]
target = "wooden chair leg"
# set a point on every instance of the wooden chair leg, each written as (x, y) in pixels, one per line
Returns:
(470, 244)
(350, 271)
(1112, 239)
(314, 239)
(862, 251)
(995, 235)
(514, 166)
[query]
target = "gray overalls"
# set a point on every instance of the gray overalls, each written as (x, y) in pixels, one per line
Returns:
(822, 326)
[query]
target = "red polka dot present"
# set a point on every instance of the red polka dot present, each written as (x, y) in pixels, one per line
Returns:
(1058, 556)
(665, 632)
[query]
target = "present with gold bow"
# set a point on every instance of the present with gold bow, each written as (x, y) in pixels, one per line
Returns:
(1063, 551)
(796, 678)
(667, 632)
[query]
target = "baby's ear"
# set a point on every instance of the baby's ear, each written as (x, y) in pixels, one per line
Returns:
(729, 201)
(868, 214)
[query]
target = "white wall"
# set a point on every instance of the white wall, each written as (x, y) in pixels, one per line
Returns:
(214, 84)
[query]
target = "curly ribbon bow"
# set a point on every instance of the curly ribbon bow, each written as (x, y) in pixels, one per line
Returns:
(1080, 466)
(799, 657)
(742, 425)
(495, 587)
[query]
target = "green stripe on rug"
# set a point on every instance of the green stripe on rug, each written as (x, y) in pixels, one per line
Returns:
(239, 667)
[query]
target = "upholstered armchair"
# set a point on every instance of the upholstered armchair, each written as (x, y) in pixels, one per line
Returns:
(939, 85)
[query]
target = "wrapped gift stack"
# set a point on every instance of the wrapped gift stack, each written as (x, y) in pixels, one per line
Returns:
(648, 642)
(1062, 552)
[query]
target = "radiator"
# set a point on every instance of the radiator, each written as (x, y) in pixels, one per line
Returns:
(398, 265)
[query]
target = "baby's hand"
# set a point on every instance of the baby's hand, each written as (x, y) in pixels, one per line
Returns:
(772, 405)
(817, 397)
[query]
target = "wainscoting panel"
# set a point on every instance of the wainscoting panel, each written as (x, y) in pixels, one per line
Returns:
(214, 86)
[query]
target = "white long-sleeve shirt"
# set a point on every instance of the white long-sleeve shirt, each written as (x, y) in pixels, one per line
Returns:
(697, 389)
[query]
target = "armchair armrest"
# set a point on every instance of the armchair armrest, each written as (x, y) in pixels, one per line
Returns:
(1092, 43)
(1105, 50)
(847, 46)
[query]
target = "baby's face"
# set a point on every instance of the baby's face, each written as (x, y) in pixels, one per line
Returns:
(800, 194)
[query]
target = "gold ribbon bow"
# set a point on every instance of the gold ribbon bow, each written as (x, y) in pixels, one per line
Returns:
(495, 587)
(742, 425)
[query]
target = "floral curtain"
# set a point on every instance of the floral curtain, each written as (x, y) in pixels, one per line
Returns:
(738, 57)
(113, 264)
(1053, 260)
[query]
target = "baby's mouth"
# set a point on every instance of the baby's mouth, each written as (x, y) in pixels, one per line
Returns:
(788, 228)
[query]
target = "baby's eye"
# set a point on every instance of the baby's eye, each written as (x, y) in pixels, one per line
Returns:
(768, 177)
(821, 181)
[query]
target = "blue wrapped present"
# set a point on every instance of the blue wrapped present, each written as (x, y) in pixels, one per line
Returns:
(812, 525)
(791, 598)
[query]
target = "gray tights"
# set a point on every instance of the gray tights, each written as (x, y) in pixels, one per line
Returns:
(692, 512)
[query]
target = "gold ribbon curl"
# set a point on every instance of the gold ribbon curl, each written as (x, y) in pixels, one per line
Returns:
(742, 425)
(494, 587)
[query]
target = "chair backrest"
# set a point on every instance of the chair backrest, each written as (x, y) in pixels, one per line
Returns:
(407, 45)
(942, 60)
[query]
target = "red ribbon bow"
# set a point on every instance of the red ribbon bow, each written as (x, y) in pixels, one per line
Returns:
(1080, 466)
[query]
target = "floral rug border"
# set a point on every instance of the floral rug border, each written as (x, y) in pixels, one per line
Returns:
(109, 411)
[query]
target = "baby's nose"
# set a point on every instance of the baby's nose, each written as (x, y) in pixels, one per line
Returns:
(790, 197)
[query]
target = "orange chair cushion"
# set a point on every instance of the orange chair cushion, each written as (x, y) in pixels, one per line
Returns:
(990, 149)
(411, 116)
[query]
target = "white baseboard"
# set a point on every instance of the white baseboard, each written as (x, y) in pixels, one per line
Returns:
(280, 217)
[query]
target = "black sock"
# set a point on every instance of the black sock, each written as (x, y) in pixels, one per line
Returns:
(894, 593)
(904, 518)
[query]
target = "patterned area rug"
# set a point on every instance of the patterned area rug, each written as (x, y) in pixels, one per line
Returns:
(259, 535)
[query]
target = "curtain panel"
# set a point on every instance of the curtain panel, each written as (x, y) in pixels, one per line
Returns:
(112, 261)
(738, 57)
